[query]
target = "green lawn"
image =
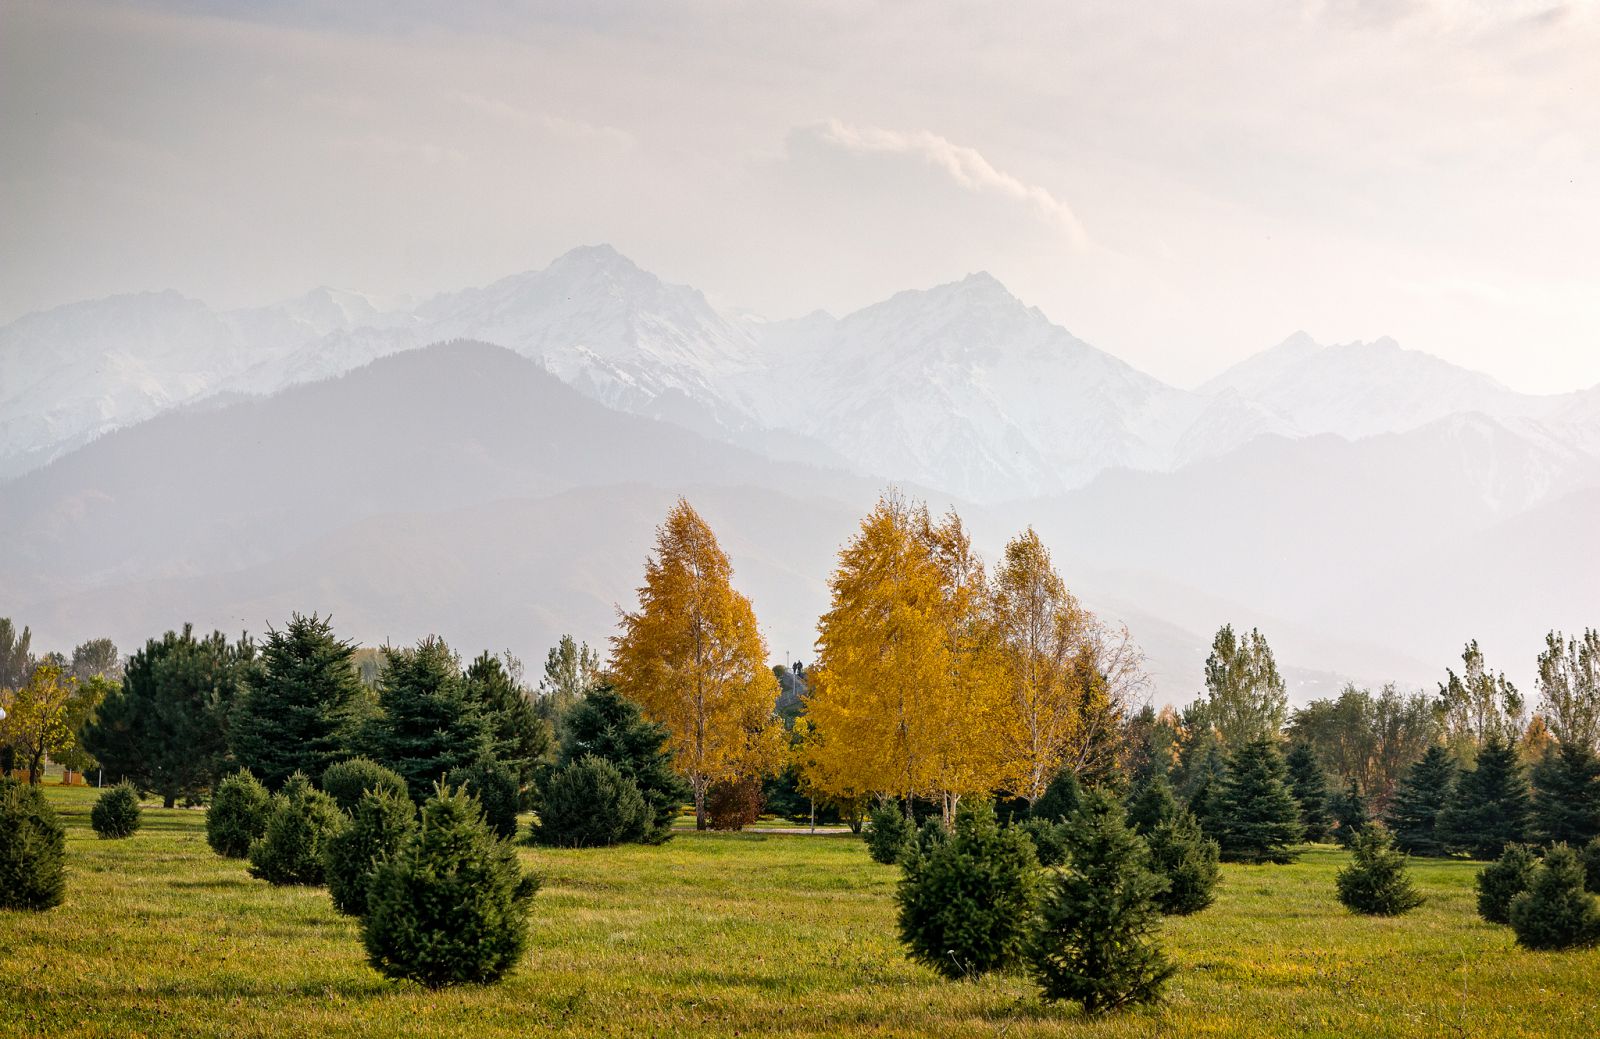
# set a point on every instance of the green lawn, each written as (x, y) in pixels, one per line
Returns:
(736, 935)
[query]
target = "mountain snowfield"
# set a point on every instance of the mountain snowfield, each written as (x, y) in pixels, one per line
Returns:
(1328, 493)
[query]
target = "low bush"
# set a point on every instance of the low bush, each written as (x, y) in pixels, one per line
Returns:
(450, 906)
(590, 804)
(301, 820)
(345, 781)
(32, 848)
(237, 816)
(1376, 882)
(116, 812)
(1591, 865)
(733, 804)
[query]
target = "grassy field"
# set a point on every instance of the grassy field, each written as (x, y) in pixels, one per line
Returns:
(736, 935)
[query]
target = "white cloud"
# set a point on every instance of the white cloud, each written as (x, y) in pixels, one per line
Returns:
(966, 166)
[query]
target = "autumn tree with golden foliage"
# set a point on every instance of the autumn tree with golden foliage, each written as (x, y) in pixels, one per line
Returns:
(694, 660)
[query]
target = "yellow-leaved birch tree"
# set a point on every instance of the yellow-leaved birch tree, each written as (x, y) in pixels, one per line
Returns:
(694, 660)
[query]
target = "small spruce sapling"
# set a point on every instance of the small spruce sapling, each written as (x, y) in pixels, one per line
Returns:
(1505, 879)
(237, 816)
(1375, 882)
(116, 812)
(1556, 912)
(889, 833)
(32, 848)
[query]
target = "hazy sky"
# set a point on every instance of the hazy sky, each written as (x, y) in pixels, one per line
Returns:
(1179, 184)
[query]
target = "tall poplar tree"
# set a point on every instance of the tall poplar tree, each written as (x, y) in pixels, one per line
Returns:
(1569, 688)
(693, 658)
(297, 711)
(1246, 698)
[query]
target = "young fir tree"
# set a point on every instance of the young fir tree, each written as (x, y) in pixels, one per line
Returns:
(380, 823)
(494, 785)
(297, 711)
(1556, 912)
(1504, 879)
(1151, 805)
(116, 812)
(345, 781)
(1418, 800)
(522, 739)
(966, 905)
(589, 803)
(607, 725)
(237, 815)
(1376, 882)
(32, 847)
(1566, 796)
(1489, 806)
(1257, 816)
(1187, 858)
(1350, 813)
(1591, 864)
(427, 723)
(301, 820)
(889, 833)
(1095, 942)
(1060, 799)
(450, 906)
(1309, 784)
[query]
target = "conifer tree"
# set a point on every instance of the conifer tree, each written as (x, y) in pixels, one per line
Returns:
(589, 803)
(609, 726)
(494, 785)
(1591, 864)
(116, 812)
(32, 848)
(1418, 800)
(1489, 806)
(1375, 882)
(1152, 805)
(166, 727)
(1350, 813)
(381, 821)
(967, 904)
(522, 739)
(345, 781)
(1309, 784)
(1061, 798)
(1187, 858)
(1095, 943)
(1504, 879)
(1566, 796)
(1257, 816)
(693, 658)
(1556, 912)
(297, 711)
(300, 821)
(889, 833)
(237, 815)
(427, 722)
(450, 907)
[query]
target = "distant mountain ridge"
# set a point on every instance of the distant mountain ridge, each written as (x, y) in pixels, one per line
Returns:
(961, 387)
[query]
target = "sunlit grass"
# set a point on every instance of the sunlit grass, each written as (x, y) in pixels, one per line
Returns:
(736, 935)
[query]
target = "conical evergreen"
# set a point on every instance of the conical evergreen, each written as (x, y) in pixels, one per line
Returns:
(1349, 813)
(297, 711)
(589, 803)
(1375, 882)
(379, 825)
(237, 815)
(300, 821)
(1504, 879)
(1556, 912)
(32, 848)
(1152, 805)
(116, 812)
(889, 833)
(1591, 865)
(1489, 806)
(1418, 799)
(607, 725)
(1566, 796)
(1257, 817)
(1309, 783)
(521, 737)
(1060, 799)
(1187, 858)
(450, 906)
(967, 904)
(428, 723)
(1096, 940)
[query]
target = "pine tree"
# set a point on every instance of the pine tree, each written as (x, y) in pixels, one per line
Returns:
(299, 823)
(1257, 816)
(32, 847)
(427, 723)
(607, 725)
(1504, 879)
(1566, 796)
(1187, 858)
(237, 815)
(1489, 806)
(966, 905)
(1375, 882)
(380, 823)
(165, 728)
(1556, 912)
(297, 711)
(1152, 805)
(521, 738)
(1095, 943)
(1350, 813)
(1310, 786)
(450, 906)
(494, 785)
(1418, 801)
(694, 659)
